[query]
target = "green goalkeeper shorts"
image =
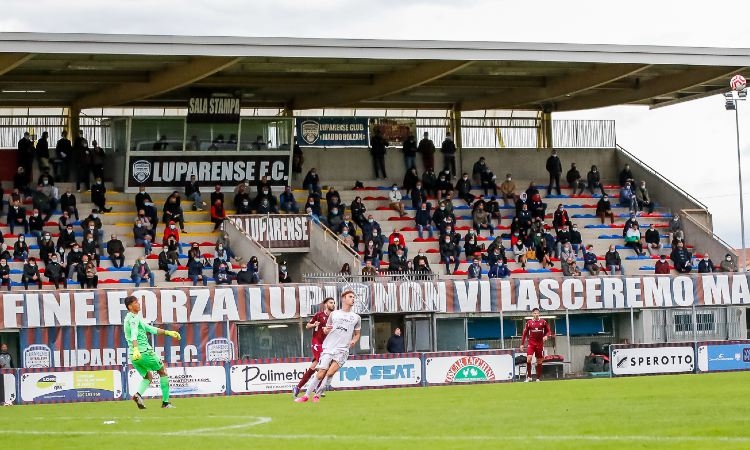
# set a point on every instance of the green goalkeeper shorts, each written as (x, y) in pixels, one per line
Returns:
(148, 362)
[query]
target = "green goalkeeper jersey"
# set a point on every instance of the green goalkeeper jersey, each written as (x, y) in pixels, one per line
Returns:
(136, 328)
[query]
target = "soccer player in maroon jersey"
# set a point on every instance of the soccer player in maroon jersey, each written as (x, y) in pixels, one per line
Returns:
(537, 330)
(317, 323)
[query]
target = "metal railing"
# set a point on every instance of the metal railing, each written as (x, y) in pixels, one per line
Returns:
(583, 134)
(381, 276)
(661, 178)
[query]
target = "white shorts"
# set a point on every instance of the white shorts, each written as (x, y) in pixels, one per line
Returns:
(340, 356)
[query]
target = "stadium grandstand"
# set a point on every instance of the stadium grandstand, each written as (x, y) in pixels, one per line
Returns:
(244, 115)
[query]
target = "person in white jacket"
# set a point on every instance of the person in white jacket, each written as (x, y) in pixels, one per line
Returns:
(395, 198)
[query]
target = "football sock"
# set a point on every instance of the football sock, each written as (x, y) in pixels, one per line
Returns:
(145, 383)
(305, 378)
(528, 369)
(164, 383)
(312, 385)
(323, 385)
(539, 371)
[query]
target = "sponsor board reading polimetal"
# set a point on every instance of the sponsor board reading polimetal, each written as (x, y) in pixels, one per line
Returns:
(719, 357)
(257, 378)
(652, 360)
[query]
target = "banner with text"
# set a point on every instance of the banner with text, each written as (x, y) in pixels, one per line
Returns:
(332, 131)
(395, 131)
(171, 170)
(266, 376)
(652, 359)
(59, 308)
(277, 230)
(213, 108)
(469, 367)
(80, 385)
(723, 356)
(96, 346)
(184, 381)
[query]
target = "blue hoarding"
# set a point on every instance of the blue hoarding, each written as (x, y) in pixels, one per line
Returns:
(719, 357)
(332, 131)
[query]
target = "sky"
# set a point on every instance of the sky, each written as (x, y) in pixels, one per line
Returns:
(692, 144)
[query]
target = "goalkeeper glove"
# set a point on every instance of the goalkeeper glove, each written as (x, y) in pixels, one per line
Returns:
(136, 354)
(173, 334)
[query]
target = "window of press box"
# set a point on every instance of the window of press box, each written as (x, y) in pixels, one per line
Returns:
(275, 340)
(160, 134)
(211, 136)
(265, 134)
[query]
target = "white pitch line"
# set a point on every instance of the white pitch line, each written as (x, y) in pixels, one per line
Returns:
(364, 438)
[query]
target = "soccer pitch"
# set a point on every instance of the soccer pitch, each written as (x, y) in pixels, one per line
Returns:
(681, 412)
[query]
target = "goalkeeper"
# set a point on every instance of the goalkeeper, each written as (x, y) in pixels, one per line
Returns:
(142, 355)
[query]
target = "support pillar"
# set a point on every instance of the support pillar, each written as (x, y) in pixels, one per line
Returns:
(456, 130)
(544, 132)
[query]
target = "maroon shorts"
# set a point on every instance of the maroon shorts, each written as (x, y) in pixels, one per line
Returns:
(317, 349)
(536, 350)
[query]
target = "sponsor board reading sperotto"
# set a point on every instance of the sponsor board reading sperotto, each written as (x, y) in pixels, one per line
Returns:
(653, 360)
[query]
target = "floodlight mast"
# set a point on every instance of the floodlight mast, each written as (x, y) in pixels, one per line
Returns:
(731, 102)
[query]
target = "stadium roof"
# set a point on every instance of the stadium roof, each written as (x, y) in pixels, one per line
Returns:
(95, 70)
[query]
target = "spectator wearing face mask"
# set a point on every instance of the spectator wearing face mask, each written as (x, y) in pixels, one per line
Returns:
(31, 274)
(554, 168)
(284, 276)
(244, 276)
(171, 231)
(265, 202)
(395, 198)
(46, 248)
(141, 272)
(728, 264)
(141, 236)
(5, 273)
(312, 181)
(73, 260)
(652, 239)
(223, 275)
(604, 209)
(36, 225)
(508, 190)
(98, 195)
(643, 198)
(87, 273)
(575, 182)
(93, 225)
(628, 198)
(20, 248)
(90, 247)
(499, 270)
(662, 266)
(195, 271)
(168, 263)
(55, 272)
(474, 272)
(449, 253)
(705, 265)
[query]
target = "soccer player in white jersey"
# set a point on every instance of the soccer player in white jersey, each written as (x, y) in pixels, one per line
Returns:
(342, 332)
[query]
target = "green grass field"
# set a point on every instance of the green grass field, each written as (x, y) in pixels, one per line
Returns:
(681, 412)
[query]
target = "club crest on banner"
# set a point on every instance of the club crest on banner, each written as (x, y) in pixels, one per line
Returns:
(37, 356)
(220, 349)
(310, 131)
(141, 170)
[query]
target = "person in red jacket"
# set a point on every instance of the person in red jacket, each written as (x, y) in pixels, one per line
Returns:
(537, 330)
(171, 230)
(662, 266)
(218, 214)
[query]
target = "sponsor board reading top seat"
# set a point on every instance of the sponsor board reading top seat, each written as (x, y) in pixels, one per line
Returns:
(169, 170)
(59, 308)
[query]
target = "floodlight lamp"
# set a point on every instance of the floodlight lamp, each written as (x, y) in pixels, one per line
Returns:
(729, 104)
(742, 95)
